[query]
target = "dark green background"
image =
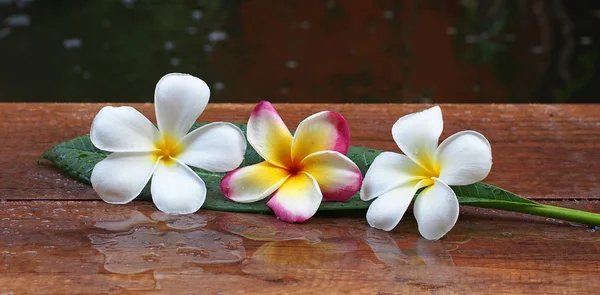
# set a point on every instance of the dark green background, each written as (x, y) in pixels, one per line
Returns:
(116, 50)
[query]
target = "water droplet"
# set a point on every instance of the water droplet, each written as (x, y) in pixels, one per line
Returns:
(191, 251)
(136, 218)
(292, 64)
(5, 32)
(72, 43)
(388, 14)
(174, 61)
(18, 20)
(151, 257)
(585, 40)
(451, 31)
(197, 14)
(219, 86)
(169, 45)
(509, 37)
(537, 50)
(471, 39)
(192, 30)
(158, 246)
(305, 25)
(23, 3)
(128, 3)
(217, 36)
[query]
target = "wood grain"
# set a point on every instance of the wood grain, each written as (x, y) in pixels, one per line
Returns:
(56, 238)
(76, 247)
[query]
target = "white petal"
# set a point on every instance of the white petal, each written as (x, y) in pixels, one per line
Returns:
(389, 170)
(418, 134)
(176, 189)
(436, 210)
(216, 147)
(464, 158)
(120, 177)
(179, 99)
(387, 210)
(123, 129)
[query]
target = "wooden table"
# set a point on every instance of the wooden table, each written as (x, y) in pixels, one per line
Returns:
(57, 237)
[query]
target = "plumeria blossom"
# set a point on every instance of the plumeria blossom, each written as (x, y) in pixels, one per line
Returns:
(141, 152)
(298, 170)
(462, 159)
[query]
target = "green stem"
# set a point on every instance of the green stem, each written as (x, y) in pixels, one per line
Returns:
(538, 209)
(567, 214)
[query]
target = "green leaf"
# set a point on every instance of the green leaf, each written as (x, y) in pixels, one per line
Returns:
(488, 196)
(78, 157)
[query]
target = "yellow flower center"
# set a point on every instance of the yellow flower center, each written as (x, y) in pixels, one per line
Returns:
(167, 149)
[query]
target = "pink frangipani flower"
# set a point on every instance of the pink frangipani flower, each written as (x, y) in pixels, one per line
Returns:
(299, 170)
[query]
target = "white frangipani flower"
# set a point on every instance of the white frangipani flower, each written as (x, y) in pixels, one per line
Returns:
(462, 159)
(141, 152)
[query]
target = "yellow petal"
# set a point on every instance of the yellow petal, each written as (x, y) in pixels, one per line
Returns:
(337, 176)
(297, 199)
(269, 136)
(253, 183)
(324, 131)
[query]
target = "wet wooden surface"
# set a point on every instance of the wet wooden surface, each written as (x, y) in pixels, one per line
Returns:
(56, 237)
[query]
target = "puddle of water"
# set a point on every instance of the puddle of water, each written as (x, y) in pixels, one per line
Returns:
(144, 249)
(136, 218)
(183, 222)
(267, 228)
(139, 243)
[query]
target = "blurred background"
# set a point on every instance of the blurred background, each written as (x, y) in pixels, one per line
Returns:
(371, 51)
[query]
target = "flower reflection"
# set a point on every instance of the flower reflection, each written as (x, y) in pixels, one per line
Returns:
(265, 228)
(299, 259)
(416, 251)
(434, 264)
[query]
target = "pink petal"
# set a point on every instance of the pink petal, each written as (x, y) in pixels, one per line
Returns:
(324, 131)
